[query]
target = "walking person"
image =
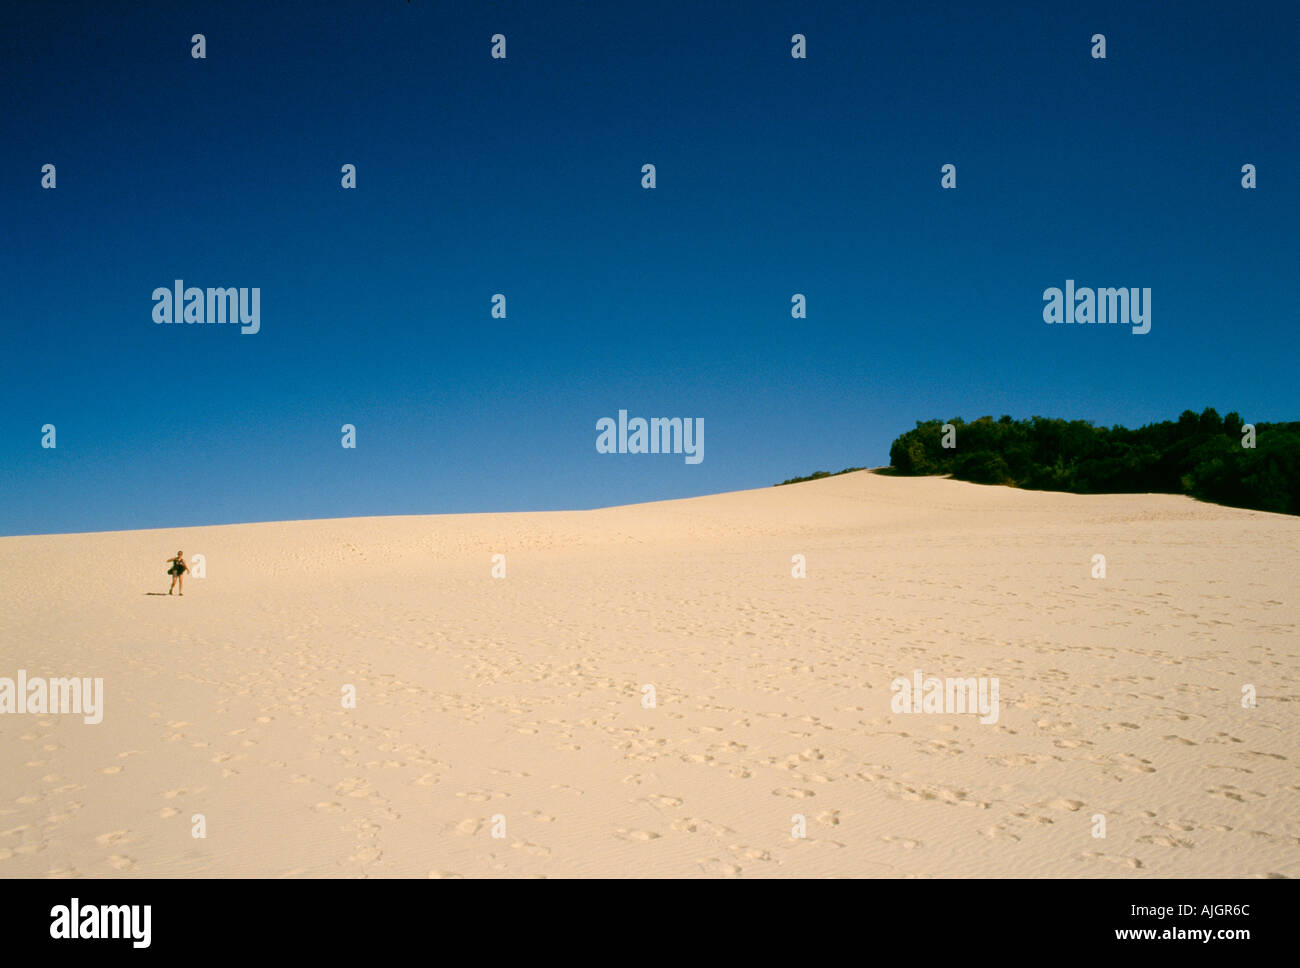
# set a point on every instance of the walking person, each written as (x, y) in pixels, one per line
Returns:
(177, 571)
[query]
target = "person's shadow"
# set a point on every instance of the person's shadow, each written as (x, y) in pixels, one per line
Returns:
(163, 594)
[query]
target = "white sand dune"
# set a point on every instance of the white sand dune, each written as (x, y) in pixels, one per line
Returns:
(521, 698)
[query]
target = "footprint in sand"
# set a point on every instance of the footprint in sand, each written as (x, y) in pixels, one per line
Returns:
(1160, 840)
(1135, 764)
(109, 770)
(1227, 738)
(793, 792)
(716, 865)
(354, 787)
(111, 838)
(994, 833)
(1039, 819)
(1235, 793)
(905, 842)
(482, 796)
(643, 835)
(537, 850)
(1061, 804)
(1130, 862)
(691, 825)
(120, 862)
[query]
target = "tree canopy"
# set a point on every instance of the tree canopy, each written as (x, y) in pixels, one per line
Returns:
(1201, 455)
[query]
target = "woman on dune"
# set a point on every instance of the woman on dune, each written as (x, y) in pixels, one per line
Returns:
(177, 570)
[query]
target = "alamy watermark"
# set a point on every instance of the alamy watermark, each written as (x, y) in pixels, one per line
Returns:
(930, 694)
(217, 305)
(76, 921)
(83, 697)
(1128, 307)
(658, 435)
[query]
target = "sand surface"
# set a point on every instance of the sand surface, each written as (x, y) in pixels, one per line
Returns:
(486, 703)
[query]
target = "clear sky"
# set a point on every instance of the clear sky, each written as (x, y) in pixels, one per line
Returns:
(522, 176)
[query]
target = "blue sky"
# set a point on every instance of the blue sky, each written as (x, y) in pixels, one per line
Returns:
(477, 176)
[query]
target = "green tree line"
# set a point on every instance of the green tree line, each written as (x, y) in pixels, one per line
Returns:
(1198, 454)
